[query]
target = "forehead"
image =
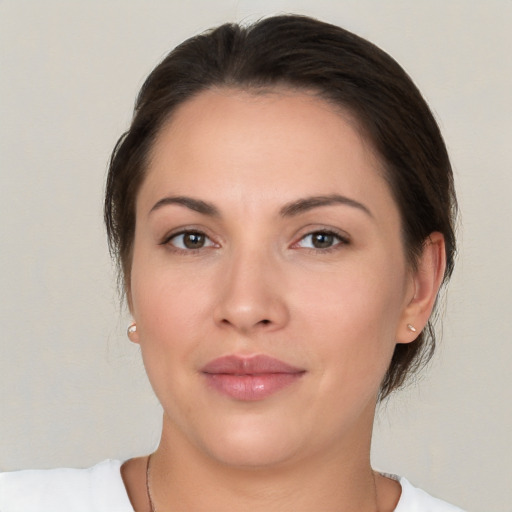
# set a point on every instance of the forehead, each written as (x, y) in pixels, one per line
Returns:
(282, 142)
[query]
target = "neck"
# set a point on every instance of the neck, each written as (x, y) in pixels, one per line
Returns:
(339, 478)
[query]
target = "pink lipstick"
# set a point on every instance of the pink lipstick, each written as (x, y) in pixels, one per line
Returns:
(250, 378)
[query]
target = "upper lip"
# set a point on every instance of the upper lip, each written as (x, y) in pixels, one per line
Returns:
(249, 365)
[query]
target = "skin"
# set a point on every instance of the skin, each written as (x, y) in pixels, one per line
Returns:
(260, 285)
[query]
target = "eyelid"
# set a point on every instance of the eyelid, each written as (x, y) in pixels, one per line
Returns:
(342, 236)
(166, 239)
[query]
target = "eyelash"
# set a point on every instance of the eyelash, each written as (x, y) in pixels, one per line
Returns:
(168, 239)
(341, 240)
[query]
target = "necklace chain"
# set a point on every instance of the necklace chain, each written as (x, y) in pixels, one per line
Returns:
(152, 505)
(148, 490)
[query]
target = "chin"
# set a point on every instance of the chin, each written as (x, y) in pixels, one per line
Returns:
(253, 454)
(251, 445)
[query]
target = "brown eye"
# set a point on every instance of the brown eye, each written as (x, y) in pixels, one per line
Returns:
(190, 240)
(321, 240)
(193, 240)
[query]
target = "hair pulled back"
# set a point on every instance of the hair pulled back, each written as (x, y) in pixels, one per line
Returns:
(344, 69)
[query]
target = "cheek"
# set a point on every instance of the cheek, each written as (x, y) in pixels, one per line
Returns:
(162, 292)
(353, 315)
(167, 306)
(172, 305)
(361, 297)
(165, 310)
(167, 313)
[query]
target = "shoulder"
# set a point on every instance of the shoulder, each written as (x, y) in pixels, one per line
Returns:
(96, 489)
(416, 500)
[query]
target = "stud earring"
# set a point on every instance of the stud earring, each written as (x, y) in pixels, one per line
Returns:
(132, 328)
(411, 328)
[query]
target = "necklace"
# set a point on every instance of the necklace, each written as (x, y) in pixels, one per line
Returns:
(148, 491)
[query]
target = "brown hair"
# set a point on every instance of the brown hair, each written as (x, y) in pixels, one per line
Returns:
(344, 69)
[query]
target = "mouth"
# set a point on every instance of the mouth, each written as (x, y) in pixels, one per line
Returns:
(250, 378)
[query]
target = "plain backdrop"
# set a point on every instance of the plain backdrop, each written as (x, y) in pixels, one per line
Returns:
(73, 389)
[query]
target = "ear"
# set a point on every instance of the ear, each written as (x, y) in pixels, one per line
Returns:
(426, 280)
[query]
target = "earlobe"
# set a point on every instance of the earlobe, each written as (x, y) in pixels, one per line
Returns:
(427, 279)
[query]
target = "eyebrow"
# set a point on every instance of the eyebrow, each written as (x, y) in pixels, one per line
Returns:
(309, 203)
(289, 210)
(193, 204)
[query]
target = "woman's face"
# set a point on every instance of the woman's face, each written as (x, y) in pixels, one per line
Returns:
(268, 283)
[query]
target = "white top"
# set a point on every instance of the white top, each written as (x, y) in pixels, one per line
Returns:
(101, 489)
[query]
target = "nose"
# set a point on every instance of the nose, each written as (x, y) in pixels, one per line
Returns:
(252, 295)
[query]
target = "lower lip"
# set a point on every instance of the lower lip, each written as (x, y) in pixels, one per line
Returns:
(251, 387)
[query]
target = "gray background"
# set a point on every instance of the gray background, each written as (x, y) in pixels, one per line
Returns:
(73, 390)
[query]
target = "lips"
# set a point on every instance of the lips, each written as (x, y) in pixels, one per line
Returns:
(250, 378)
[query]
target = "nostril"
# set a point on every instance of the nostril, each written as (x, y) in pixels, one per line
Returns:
(265, 322)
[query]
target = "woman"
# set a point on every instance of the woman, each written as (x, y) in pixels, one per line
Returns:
(281, 210)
